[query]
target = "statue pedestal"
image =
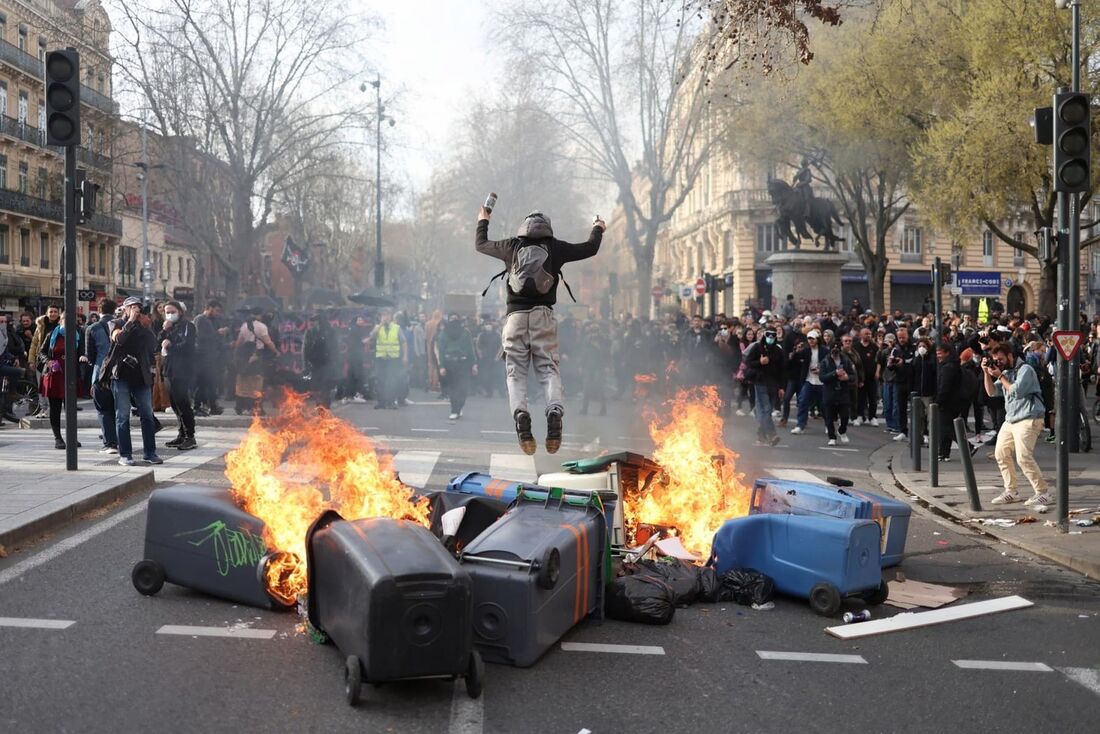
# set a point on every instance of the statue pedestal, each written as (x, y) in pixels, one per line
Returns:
(812, 276)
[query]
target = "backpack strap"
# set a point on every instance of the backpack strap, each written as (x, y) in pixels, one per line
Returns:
(561, 276)
(499, 275)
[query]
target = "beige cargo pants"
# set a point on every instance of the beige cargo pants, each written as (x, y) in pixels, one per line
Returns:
(1020, 438)
(531, 337)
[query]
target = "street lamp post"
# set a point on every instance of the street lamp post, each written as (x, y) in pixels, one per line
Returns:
(147, 265)
(379, 265)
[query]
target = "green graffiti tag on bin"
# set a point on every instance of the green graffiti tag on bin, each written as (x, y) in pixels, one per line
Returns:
(232, 548)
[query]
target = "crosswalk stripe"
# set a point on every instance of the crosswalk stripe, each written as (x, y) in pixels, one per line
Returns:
(810, 657)
(620, 649)
(38, 624)
(515, 467)
(199, 631)
(1002, 665)
(415, 467)
(1088, 677)
(794, 475)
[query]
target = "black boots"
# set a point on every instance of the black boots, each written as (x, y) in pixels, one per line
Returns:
(177, 440)
(187, 444)
(553, 431)
(523, 432)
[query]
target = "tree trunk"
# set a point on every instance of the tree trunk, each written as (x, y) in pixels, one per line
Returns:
(876, 286)
(644, 272)
(1048, 290)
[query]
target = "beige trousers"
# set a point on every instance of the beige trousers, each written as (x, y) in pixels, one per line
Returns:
(1020, 437)
(530, 338)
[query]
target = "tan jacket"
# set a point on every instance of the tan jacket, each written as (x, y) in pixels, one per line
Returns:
(41, 331)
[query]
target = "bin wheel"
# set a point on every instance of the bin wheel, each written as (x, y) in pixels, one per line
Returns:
(825, 599)
(877, 596)
(549, 569)
(353, 679)
(148, 577)
(475, 675)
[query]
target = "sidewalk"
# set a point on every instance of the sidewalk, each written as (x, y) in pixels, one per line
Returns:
(37, 494)
(86, 418)
(1079, 549)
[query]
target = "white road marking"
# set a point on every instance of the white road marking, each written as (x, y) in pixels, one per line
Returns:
(37, 624)
(1088, 677)
(415, 467)
(1002, 665)
(190, 631)
(601, 647)
(585, 731)
(10, 574)
(467, 714)
(500, 433)
(810, 657)
(834, 448)
(430, 430)
(794, 475)
(514, 467)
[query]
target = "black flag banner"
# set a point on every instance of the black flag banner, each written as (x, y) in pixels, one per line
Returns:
(295, 257)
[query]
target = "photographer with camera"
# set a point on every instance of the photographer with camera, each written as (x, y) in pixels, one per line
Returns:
(129, 370)
(1023, 423)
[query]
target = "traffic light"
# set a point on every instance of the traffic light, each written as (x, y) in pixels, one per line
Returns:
(63, 97)
(945, 272)
(1072, 141)
(89, 190)
(709, 279)
(1042, 123)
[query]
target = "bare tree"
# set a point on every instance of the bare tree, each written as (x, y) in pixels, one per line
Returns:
(630, 83)
(763, 32)
(258, 84)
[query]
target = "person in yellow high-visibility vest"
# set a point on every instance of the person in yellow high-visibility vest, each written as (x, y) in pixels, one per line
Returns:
(390, 357)
(983, 311)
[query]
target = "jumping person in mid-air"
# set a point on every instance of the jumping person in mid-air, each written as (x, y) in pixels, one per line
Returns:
(532, 269)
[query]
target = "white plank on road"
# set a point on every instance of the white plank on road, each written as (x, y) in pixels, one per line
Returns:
(513, 467)
(620, 649)
(38, 624)
(415, 467)
(810, 657)
(1002, 665)
(242, 632)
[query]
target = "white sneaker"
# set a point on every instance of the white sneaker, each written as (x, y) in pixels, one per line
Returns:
(857, 422)
(740, 412)
(874, 422)
(1005, 498)
(844, 438)
(1043, 499)
(832, 442)
(453, 417)
(796, 429)
(776, 414)
(901, 437)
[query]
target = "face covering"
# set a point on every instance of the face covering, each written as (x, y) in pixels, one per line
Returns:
(769, 339)
(172, 318)
(922, 351)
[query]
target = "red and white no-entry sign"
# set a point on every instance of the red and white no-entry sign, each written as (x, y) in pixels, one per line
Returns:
(1068, 342)
(658, 292)
(700, 287)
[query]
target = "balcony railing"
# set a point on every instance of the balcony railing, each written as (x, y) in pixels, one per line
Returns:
(912, 257)
(93, 159)
(32, 206)
(29, 64)
(36, 136)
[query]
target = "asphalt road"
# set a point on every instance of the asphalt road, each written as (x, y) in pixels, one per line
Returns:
(111, 670)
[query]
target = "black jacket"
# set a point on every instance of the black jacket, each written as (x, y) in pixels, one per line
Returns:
(137, 341)
(802, 358)
(772, 373)
(560, 254)
(923, 375)
(837, 391)
(182, 350)
(949, 383)
(868, 355)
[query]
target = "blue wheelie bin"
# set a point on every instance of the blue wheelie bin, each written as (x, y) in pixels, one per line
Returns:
(822, 559)
(806, 498)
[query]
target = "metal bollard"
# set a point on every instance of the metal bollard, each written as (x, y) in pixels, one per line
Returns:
(968, 465)
(916, 412)
(934, 444)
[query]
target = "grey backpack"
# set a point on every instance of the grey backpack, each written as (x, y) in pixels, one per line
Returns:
(530, 272)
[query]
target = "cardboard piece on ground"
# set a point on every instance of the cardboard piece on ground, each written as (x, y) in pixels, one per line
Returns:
(906, 594)
(911, 620)
(674, 548)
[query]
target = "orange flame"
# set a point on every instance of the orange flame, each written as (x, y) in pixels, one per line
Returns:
(700, 487)
(289, 470)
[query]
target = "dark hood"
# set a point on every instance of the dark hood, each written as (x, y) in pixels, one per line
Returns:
(535, 226)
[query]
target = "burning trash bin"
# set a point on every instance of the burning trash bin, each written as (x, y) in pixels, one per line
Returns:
(199, 538)
(537, 572)
(821, 559)
(837, 500)
(391, 598)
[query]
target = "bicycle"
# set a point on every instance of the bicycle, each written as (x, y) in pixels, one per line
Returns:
(23, 396)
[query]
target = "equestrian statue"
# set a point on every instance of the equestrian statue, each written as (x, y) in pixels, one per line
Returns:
(796, 205)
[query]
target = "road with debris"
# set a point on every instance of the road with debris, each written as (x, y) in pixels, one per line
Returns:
(81, 650)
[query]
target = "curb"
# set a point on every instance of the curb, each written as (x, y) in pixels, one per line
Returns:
(882, 471)
(59, 518)
(169, 421)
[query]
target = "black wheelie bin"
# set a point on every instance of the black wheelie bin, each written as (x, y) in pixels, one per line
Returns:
(392, 599)
(537, 571)
(198, 537)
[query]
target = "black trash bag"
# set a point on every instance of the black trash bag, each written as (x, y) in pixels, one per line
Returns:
(746, 586)
(641, 598)
(681, 577)
(481, 512)
(710, 588)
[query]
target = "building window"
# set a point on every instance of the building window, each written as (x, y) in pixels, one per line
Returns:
(25, 248)
(41, 124)
(169, 261)
(24, 105)
(23, 177)
(23, 39)
(5, 255)
(127, 266)
(89, 144)
(988, 250)
(911, 245)
(91, 258)
(189, 271)
(1018, 255)
(3, 28)
(44, 250)
(40, 183)
(103, 259)
(3, 98)
(179, 268)
(3, 171)
(767, 239)
(727, 248)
